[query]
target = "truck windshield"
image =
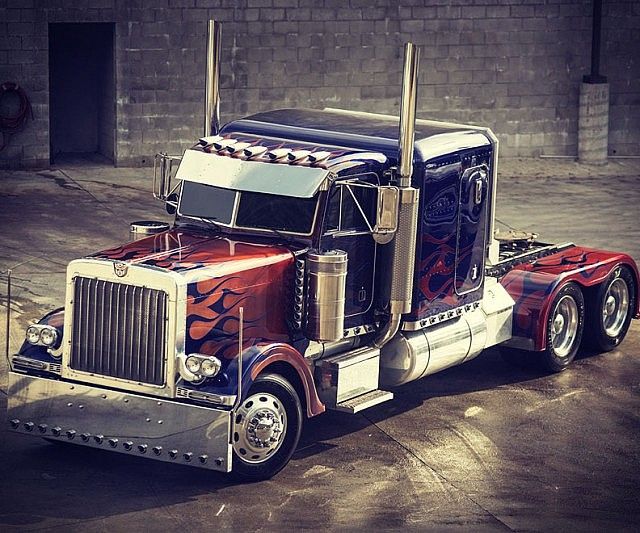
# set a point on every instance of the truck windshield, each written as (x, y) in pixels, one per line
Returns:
(255, 210)
(206, 201)
(282, 213)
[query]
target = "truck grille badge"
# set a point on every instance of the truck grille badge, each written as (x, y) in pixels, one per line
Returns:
(120, 269)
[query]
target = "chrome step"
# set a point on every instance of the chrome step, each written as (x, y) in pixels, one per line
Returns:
(364, 401)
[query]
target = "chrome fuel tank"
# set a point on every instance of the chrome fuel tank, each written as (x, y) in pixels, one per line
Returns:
(327, 274)
(411, 355)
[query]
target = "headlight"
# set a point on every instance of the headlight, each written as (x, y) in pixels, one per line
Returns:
(199, 366)
(210, 367)
(42, 335)
(193, 364)
(33, 335)
(48, 336)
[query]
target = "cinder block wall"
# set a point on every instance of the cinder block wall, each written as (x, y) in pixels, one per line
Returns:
(514, 65)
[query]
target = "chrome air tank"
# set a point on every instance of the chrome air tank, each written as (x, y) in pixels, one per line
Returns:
(326, 285)
(411, 355)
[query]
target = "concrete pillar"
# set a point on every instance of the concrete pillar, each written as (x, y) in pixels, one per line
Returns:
(593, 123)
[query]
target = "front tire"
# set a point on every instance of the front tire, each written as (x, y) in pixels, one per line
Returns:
(565, 324)
(267, 428)
(610, 309)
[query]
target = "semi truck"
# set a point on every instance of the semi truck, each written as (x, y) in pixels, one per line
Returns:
(318, 259)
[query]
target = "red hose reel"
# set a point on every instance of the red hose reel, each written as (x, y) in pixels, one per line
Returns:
(13, 120)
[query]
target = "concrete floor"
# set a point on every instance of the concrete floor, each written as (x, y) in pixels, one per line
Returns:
(484, 446)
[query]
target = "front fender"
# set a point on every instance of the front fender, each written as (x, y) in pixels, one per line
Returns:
(257, 359)
(273, 353)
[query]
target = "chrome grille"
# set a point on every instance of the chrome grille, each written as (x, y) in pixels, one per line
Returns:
(119, 330)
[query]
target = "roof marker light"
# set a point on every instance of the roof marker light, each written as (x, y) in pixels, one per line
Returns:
(316, 157)
(254, 151)
(297, 155)
(209, 140)
(278, 153)
(237, 147)
(223, 143)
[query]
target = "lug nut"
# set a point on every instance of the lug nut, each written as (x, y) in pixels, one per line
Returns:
(99, 439)
(127, 445)
(157, 450)
(42, 428)
(56, 431)
(85, 437)
(203, 459)
(14, 423)
(71, 434)
(113, 442)
(187, 457)
(29, 426)
(142, 448)
(173, 454)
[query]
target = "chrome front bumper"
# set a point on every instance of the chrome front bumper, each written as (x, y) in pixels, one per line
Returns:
(121, 422)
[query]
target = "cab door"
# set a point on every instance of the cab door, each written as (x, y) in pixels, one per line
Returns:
(349, 219)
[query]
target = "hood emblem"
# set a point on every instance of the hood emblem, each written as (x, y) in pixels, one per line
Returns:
(120, 269)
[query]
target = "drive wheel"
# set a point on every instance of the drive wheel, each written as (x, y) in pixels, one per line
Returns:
(267, 428)
(610, 310)
(564, 328)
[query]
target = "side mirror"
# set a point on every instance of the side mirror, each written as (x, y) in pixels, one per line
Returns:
(171, 203)
(387, 214)
(164, 167)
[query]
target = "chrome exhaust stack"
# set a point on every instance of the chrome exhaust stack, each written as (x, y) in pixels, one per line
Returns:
(212, 80)
(408, 114)
(403, 253)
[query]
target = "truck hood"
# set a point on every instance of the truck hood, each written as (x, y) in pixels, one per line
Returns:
(196, 255)
(220, 275)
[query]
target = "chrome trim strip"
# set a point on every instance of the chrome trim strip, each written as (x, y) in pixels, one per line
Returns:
(34, 364)
(439, 318)
(217, 399)
(358, 330)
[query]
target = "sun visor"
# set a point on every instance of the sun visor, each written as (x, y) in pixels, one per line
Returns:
(250, 176)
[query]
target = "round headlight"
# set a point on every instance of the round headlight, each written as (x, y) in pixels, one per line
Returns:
(33, 335)
(210, 367)
(48, 336)
(193, 364)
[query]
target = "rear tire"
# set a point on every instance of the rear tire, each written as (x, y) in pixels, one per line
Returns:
(610, 309)
(565, 324)
(267, 428)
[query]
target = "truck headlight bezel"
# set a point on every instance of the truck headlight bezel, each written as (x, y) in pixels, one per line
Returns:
(196, 367)
(43, 335)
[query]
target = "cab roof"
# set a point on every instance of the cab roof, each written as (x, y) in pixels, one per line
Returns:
(360, 131)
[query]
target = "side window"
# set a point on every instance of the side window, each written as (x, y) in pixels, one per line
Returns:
(351, 207)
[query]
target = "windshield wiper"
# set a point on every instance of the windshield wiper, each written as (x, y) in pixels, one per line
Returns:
(208, 221)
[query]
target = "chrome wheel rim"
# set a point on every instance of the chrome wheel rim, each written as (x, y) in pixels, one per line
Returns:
(615, 307)
(564, 326)
(261, 424)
